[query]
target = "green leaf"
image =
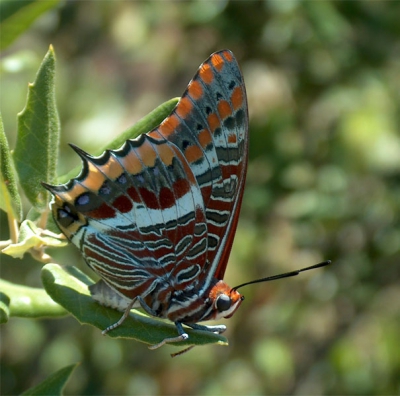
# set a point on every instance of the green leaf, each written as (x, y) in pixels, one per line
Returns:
(69, 288)
(17, 16)
(10, 200)
(144, 125)
(53, 385)
(30, 237)
(36, 150)
(28, 302)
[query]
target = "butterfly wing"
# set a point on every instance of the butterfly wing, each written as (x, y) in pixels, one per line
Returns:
(164, 207)
(134, 213)
(210, 128)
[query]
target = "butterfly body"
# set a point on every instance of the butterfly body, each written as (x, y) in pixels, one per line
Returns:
(156, 218)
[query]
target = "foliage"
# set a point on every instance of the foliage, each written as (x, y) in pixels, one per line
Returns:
(16, 16)
(35, 154)
(53, 385)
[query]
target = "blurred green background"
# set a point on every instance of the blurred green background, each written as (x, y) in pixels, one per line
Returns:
(323, 84)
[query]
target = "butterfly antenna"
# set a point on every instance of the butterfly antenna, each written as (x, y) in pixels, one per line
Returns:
(285, 275)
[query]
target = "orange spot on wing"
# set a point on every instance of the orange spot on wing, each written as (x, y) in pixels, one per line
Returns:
(213, 122)
(131, 163)
(204, 138)
(184, 107)
(195, 90)
(72, 194)
(147, 154)
(224, 109)
(217, 62)
(166, 154)
(112, 168)
(228, 55)
(155, 134)
(190, 178)
(169, 125)
(94, 179)
(237, 98)
(206, 73)
(193, 153)
(232, 138)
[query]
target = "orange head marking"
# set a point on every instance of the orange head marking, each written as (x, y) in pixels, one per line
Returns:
(225, 300)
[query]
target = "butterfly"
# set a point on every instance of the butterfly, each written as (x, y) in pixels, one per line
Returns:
(156, 219)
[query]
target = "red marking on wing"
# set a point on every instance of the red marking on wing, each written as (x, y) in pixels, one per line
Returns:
(123, 204)
(104, 211)
(167, 199)
(181, 187)
(133, 193)
(149, 198)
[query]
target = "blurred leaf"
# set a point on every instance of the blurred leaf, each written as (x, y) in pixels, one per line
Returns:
(144, 125)
(29, 302)
(4, 308)
(274, 358)
(10, 200)
(17, 16)
(54, 384)
(69, 287)
(32, 237)
(36, 150)
(328, 23)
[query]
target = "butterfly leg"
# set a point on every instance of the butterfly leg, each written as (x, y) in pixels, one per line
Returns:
(121, 320)
(213, 329)
(127, 311)
(182, 336)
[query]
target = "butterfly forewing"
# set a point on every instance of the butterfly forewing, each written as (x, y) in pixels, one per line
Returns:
(161, 212)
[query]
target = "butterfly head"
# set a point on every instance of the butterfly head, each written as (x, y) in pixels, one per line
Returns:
(225, 301)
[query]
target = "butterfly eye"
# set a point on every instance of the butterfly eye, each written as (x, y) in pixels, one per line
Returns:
(223, 302)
